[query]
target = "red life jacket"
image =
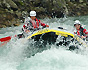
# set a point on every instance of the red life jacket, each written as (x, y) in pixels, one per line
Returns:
(78, 32)
(36, 23)
(82, 31)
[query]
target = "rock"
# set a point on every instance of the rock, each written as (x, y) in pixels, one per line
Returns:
(16, 24)
(78, 13)
(2, 26)
(21, 3)
(18, 13)
(9, 4)
(80, 1)
(39, 9)
(12, 11)
(12, 4)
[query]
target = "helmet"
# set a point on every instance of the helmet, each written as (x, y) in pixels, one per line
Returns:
(77, 22)
(32, 13)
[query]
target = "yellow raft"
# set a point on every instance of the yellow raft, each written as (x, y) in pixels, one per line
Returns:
(54, 33)
(57, 32)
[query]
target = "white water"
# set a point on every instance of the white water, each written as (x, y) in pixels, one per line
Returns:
(13, 56)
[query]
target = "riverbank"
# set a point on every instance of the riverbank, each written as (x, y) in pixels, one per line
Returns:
(13, 11)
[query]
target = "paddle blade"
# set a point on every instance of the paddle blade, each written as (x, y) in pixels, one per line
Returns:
(5, 39)
(5, 42)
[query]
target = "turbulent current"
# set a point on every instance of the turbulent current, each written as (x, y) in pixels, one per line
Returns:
(16, 54)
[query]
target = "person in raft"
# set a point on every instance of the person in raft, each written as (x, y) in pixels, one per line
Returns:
(32, 23)
(80, 31)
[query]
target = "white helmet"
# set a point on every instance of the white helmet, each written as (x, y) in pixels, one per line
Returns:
(32, 13)
(77, 22)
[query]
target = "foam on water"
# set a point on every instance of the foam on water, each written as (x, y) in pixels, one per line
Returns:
(55, 59)
(13, 56)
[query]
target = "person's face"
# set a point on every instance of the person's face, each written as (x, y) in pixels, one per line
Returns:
(77, 26)
(33, 17)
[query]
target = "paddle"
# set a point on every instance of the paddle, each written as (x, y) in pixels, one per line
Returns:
(5, 42)
(9, 37)
(61, 28)
(5, 39)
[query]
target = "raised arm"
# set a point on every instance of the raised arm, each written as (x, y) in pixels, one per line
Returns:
(85, 31)
(43, 24)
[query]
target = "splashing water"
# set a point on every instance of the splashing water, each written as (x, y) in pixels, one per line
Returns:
(14, 55)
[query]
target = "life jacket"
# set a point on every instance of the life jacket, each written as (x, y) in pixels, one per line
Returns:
(80, 32)
(35, 23)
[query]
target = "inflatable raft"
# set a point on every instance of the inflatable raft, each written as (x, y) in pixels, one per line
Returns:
(51, 35)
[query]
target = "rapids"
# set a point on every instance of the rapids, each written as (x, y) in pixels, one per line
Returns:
(15, 56)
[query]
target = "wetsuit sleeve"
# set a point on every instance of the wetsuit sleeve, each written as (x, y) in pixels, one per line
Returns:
(24, 27)
(85, 31)
(74, 32)
(43, 24)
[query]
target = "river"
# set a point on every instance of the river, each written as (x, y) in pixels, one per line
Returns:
(13, 56)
